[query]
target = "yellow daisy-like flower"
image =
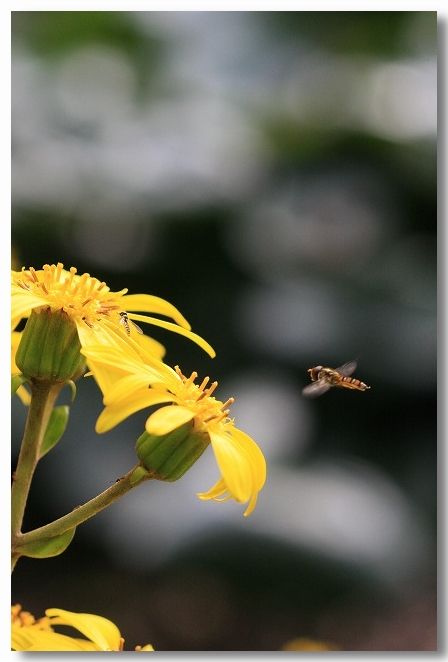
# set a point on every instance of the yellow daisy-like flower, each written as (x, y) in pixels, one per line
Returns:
(240, 460)
(99, 314)
(27, 634)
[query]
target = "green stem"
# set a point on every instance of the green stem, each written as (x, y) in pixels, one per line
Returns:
(43, 397)
(132, 479)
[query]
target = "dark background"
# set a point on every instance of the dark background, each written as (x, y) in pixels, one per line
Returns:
(273, 175)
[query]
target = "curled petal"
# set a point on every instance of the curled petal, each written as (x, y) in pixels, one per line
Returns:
(219, 492)
(242, 466)
(152, 304)
(257, 458)
(234, 464)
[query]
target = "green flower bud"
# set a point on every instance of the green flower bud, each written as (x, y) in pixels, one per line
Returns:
(49, 349)
(169, 456)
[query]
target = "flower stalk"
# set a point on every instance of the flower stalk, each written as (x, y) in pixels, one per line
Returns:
(21, 542)
(44, 395)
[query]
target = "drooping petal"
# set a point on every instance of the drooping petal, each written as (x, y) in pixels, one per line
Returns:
(257, 458)
(180, 330)
(234, 464)
(219, 492)
(242, 466)
(152, 304)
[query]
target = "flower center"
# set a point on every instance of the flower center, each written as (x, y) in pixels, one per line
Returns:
(20, 618)
(83, 298)
(207, 407)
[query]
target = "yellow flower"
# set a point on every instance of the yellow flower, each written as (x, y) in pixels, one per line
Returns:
(27, 634)
(98, 313)
(241, 462)
(305, 644)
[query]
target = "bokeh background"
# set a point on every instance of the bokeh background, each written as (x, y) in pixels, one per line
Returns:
(273, 175)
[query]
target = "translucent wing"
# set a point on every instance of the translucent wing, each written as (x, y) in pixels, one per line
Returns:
(347, 369)
(316, 388)
(136, 327)
(322, 385)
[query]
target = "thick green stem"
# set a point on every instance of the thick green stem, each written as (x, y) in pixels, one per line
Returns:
(43, 397)
(132, 479)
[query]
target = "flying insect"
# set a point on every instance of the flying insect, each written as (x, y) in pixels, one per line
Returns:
(323, 379)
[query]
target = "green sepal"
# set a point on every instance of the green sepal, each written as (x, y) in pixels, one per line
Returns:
(16, 382)
(72, 385)
(55, 429)
(49, 546)
(169, 456)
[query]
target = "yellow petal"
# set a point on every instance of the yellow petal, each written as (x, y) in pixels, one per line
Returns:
(234, 464)
(148, 647)
(53, 641)
(152, 304)
(22, 303)
(257, 458)
(180, 330)
(219, 492)
(168, 418)
(151, 347)
(99, 630)
(114, 414)
(124, 387)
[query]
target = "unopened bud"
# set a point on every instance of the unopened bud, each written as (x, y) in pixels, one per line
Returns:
(49, 349)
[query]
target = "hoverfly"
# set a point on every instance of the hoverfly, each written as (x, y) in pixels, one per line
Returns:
(124, 319)
(324, 378)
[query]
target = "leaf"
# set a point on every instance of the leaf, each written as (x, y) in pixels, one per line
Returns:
(48, 547)
(55, 429)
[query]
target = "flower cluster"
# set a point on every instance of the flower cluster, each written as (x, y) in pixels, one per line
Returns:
(75, 325)
(128, 366)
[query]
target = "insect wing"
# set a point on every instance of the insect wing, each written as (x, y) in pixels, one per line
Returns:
(316, 388)
(127, 323)
(136, 327)
(347, 369)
